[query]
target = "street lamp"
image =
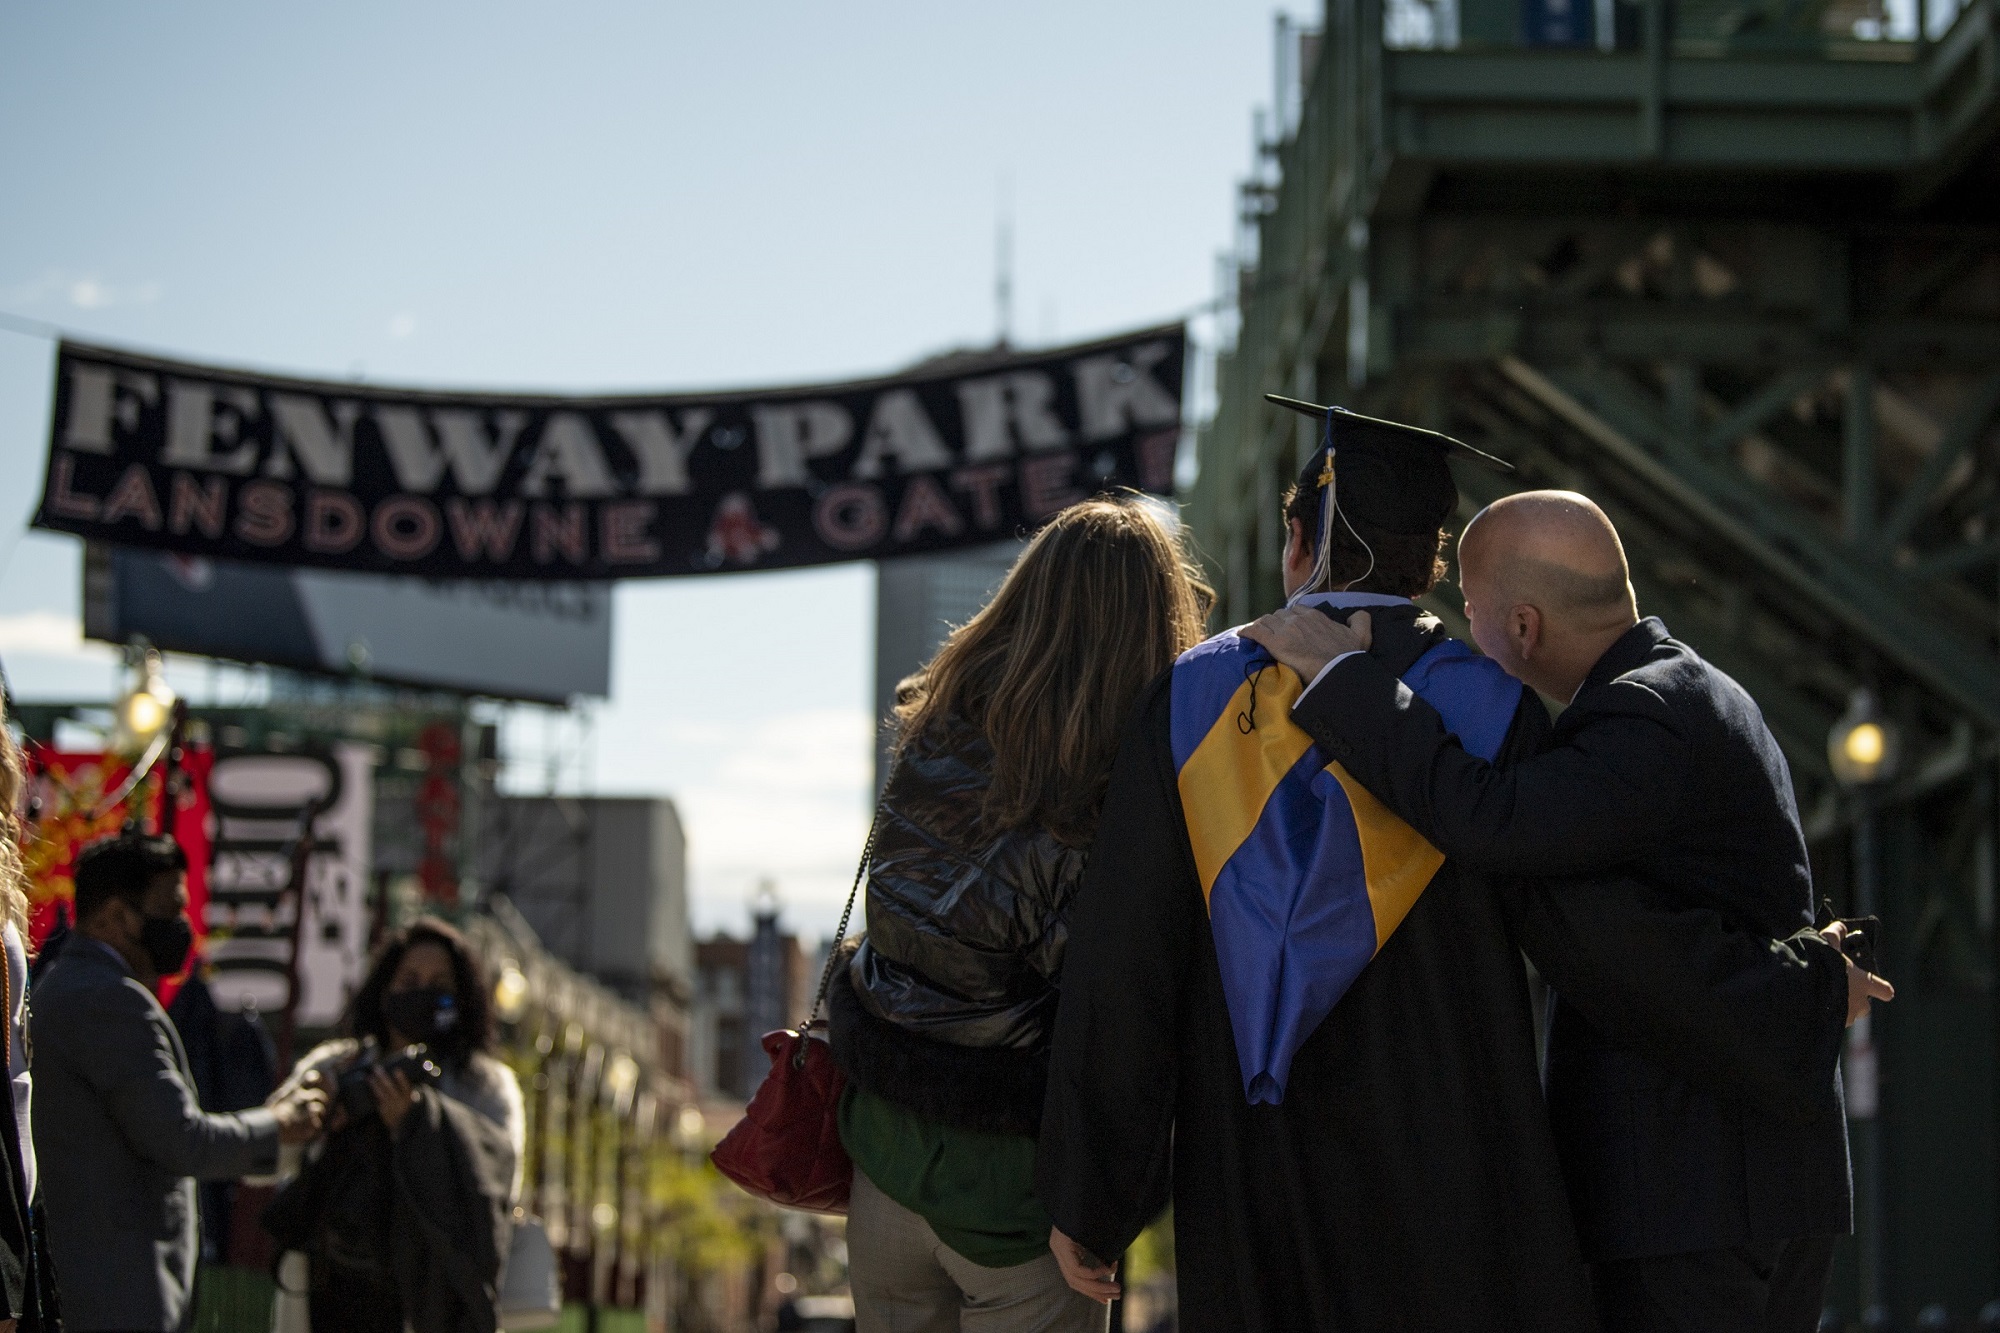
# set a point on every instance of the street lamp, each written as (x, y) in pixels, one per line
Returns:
(511, 993)
(1864, 749)
(621, 1080)
(691, 1124)
(147, 705)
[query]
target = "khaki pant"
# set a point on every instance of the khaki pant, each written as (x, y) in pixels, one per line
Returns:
(906, 1280)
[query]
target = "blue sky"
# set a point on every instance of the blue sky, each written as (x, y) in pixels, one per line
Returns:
(608, 196)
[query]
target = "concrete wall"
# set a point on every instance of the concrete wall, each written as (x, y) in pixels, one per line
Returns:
(603, 882)
(918, 600)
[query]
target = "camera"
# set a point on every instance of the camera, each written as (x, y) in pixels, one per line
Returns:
(352, 1092)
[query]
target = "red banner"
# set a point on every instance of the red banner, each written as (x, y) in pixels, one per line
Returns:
(70, 797)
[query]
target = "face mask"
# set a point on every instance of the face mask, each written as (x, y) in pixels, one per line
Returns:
(421, 1015)
(166, 941)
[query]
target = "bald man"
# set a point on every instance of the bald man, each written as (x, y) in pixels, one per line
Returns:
(1703, 1203)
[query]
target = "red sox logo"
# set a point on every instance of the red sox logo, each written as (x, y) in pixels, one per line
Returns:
(737, 535)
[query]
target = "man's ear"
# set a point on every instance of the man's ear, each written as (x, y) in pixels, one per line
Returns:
(112, 916)
(1298, 556)
(1524, 626)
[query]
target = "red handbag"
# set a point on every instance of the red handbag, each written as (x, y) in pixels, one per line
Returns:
(786, 1149)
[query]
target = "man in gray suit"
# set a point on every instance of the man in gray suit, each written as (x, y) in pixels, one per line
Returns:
(119, 1133)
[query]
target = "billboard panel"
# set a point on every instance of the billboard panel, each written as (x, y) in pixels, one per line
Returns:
(539, 641)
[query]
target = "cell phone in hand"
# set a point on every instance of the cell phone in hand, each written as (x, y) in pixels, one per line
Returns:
(1862, 944)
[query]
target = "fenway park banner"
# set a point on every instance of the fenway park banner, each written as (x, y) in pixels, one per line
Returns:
(203, 461)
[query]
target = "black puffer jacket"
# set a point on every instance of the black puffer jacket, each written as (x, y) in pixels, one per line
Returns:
(952, 994)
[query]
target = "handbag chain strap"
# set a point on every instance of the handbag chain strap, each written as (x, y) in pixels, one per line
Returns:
(7, 1020)
(847, 912)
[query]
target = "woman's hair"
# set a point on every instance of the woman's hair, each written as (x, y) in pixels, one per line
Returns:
(1101, 601)
(13, 875)
(474, 1029)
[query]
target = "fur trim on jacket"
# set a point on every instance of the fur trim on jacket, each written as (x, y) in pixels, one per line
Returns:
(996, 1090)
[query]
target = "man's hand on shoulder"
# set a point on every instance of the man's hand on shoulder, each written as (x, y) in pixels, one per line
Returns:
(1863, 986)
(1306, 639)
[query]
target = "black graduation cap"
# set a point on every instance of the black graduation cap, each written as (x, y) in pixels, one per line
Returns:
(1389, 476)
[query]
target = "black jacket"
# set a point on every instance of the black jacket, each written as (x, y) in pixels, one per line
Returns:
(409, 1230)
(953, 992)
(1661, 771)
(27, 1273)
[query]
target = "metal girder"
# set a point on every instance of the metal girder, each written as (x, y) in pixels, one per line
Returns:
(1900, 110)
(1696, 340)
(1965, 429)
(1759, 408)
(1749, 303)
(1618, 415)
(1951, 562)
(1931, 278)
(1460, 329)
(1714, 337)
(1725, 635)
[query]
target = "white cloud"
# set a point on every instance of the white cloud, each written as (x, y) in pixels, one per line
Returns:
(50, 633)
(81, 291)
(791, 796)
(402, 324)
(785, 797)
(824, 750)
(47, 657)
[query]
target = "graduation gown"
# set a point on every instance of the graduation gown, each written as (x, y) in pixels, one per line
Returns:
(1407, 1181)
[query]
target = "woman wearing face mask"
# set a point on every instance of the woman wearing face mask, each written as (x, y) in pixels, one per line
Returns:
(403, 1213)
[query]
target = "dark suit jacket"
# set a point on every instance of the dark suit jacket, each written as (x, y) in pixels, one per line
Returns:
(120, 1139)
(1660, 771)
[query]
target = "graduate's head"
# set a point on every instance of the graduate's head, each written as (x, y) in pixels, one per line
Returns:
(1100, 602)
(1546, 585)
(1367, 513)
(1361, 557)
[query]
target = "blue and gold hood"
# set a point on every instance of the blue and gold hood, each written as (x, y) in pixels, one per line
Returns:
(1306, 874)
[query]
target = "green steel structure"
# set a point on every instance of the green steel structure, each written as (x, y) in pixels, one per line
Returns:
(1738, 280)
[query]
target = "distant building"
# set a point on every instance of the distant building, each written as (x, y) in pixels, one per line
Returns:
(918, 600)
(602, 880)
(743, 989)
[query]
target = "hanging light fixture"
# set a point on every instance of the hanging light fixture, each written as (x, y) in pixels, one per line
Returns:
(147, 706)
(1864, 747)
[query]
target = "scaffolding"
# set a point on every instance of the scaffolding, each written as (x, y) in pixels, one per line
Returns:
(1733, 270)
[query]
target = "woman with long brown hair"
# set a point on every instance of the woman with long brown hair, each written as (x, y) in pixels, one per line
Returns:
(1004, 748)
(27, 1282)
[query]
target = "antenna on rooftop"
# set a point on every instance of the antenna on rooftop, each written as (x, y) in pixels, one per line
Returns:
(1283, 80)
